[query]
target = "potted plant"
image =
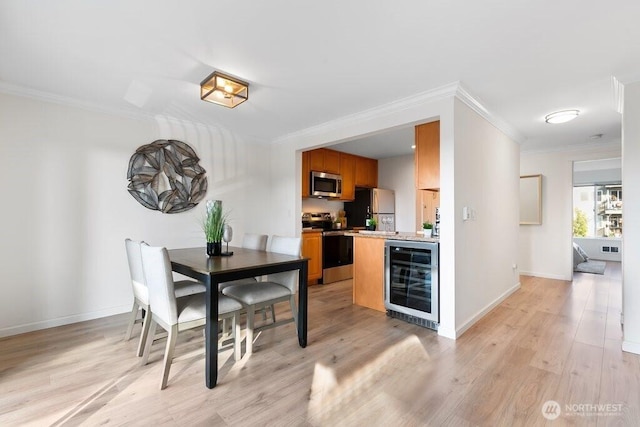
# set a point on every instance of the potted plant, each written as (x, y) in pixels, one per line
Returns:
(213, 227)
(372, 224)
(427, 229)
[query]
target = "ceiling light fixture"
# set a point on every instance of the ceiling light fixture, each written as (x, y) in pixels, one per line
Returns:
(561, 116)
(224, 90)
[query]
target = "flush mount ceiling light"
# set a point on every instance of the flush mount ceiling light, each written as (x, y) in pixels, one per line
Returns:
(561, 116)
(224, 90)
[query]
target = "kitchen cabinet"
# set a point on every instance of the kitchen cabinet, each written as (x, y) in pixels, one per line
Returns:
(366, 172)
(427, 156)
(306, 171)
(428, 201)
(368, 272)
(324, 160)
(356, 171)
(348, 173)
(312, 249)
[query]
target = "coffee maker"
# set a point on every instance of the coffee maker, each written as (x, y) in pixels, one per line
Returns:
(436, 226)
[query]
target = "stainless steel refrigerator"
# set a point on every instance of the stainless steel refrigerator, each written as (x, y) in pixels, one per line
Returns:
(382, 204)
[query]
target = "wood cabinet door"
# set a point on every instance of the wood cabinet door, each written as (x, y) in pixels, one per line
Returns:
(368, 272)
(428, 201)
(427, 156)
(332, 161)
(312, 249)
(373, 173)
(316, 160)
(306, 175)
(366, 172)
(348, 173)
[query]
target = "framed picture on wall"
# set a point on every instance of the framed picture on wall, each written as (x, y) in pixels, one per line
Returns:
(531, 200)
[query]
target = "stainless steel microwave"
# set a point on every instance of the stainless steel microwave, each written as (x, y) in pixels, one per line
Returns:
(325, 185)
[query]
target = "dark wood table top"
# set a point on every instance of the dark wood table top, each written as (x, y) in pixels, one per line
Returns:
(242, 259)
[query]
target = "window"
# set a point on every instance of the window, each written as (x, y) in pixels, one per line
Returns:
(597, 211)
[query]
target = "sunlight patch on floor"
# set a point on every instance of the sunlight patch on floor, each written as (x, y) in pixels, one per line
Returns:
(374, 392)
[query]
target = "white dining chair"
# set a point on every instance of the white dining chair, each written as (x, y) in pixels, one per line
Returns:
(141, 292)
(257, 242)
(178, 314)
(277, 288)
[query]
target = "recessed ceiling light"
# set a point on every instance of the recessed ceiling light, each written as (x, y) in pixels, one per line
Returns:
(561, 116)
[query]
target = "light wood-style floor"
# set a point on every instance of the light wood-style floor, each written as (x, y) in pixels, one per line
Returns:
(551, 340)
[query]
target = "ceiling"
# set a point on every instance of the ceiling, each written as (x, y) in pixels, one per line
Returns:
(309, 63)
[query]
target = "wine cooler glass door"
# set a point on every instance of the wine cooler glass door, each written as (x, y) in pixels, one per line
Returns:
(412, 279)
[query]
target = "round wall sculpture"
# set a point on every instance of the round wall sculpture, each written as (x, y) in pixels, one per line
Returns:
(165, 176)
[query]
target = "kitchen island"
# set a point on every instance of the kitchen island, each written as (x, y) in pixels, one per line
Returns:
(368, 264)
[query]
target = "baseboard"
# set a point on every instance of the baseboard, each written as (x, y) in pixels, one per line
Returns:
(447, 332)
(462, 329)
(631, 347)
(546, 276)
(61, 321)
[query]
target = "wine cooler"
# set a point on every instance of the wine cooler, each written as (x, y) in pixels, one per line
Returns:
(411, 282)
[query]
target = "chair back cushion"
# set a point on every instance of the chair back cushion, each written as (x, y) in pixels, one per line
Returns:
(287, 246)
(255, 241)
(157, 271)
(138, 283)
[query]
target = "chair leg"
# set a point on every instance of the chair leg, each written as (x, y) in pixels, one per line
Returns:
(147, 345)
(144, 334)
(273, 313)
(251, 314)
(168, 355)
(237, 352)
(132, 320)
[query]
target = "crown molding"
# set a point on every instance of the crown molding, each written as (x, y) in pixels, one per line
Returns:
(587, 146)
(374, 113)
(618, 94)
(472, 102)
(454, 89)
(25, 92)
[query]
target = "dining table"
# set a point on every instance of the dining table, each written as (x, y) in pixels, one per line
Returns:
(244, 263)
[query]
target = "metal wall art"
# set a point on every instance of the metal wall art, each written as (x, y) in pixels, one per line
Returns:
(165, 176)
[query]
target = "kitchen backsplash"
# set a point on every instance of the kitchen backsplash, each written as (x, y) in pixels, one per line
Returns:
(321, 205)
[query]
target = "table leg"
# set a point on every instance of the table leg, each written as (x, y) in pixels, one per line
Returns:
(211, 334)
(302, 305)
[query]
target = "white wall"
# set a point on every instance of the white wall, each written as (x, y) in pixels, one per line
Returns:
(487, 182)
(593, 247)
(631, 214)
(66, 209)
(546, 250)
(397, 173)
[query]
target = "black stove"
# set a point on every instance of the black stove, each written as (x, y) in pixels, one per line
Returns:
(337, 249)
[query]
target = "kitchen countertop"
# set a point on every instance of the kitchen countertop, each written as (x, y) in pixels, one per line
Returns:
(389, 235)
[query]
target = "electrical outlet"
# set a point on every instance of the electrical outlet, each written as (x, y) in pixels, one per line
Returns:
(614, 249)
(606, 249)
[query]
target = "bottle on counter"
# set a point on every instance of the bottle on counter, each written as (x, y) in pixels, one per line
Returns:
(367, 219)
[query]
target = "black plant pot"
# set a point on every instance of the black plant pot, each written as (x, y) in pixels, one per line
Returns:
(214, 248)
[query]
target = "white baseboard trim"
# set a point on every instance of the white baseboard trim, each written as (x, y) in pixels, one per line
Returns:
(466, 325)
(61, 321)
(546, 276)
(447, 332)
(631, 347)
